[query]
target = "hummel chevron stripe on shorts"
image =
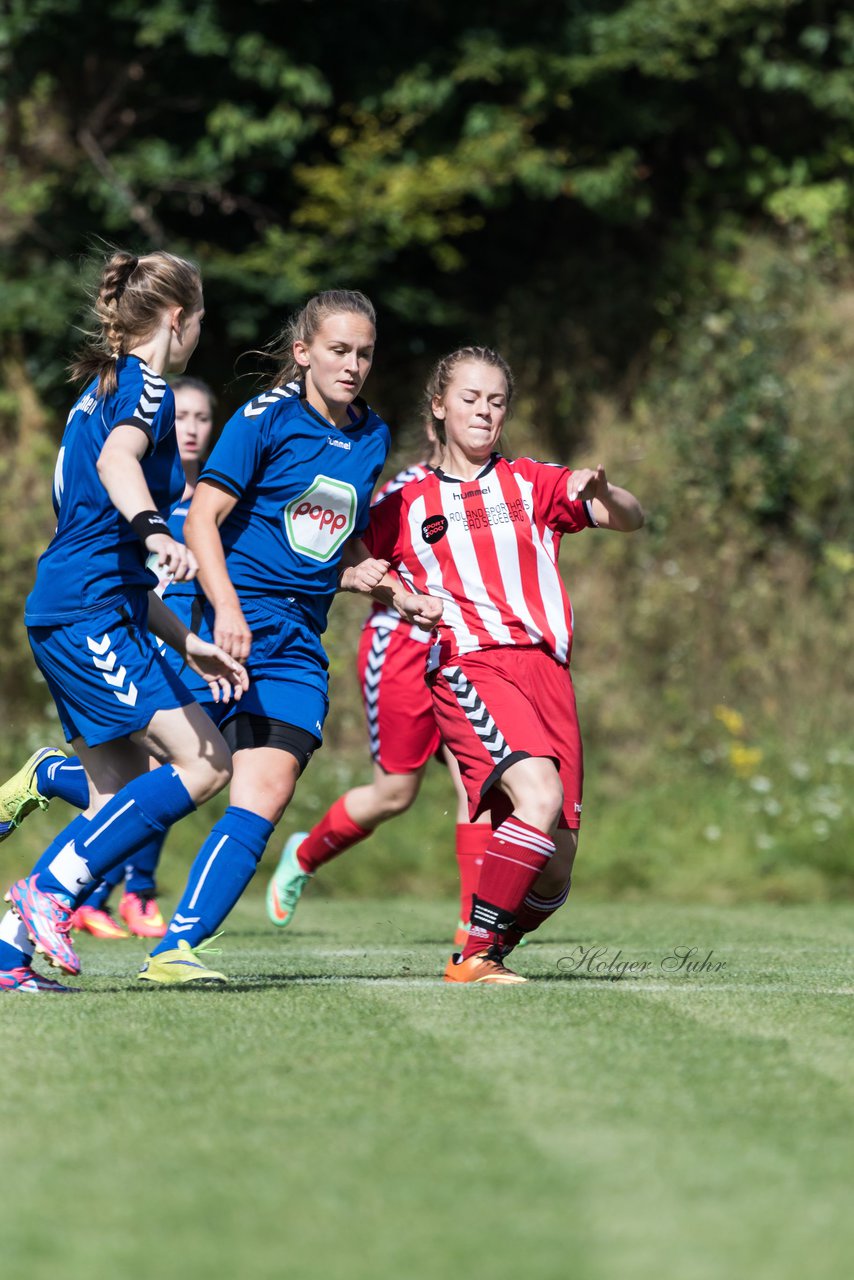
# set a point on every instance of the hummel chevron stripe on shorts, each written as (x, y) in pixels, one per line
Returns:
(371, 686)
(477, 714)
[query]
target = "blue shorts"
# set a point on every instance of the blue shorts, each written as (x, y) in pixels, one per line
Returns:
(105, 672)
(189, 609)
(287, 667)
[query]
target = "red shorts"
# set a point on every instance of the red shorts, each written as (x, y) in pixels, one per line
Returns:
(398, 703)
(498, 706)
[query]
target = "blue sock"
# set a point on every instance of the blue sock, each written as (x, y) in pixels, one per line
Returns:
(101, 889)
(65, 779)
(223, 868)
(139, 872)
(146, 806)
(67, 839)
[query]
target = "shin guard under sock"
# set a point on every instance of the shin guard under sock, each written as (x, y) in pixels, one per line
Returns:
(148, 805)
(516, 855)
(221, 871)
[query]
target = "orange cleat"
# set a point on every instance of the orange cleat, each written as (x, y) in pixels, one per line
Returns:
(142, 916)
(99, 923)
(484, 967)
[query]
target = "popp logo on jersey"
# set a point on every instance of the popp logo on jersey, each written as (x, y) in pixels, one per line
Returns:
(321, 518)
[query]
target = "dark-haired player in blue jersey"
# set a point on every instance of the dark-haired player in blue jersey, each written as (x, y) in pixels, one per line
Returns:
(89, 613)
(286, 488)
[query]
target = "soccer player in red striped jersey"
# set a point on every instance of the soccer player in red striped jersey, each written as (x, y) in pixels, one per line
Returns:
(403, 736)
(481, 534)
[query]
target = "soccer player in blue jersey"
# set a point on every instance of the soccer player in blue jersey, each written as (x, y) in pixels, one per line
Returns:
(138, 908)
(286, 488)
(89, 613)
(50, 774)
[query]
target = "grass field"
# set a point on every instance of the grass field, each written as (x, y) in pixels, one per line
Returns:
(337, 1113)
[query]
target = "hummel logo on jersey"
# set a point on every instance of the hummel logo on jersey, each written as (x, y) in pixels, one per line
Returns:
(472, 493)
(339, 444)
(321, 519)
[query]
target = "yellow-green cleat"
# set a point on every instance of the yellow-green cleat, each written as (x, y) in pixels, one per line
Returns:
(180, 966)
(20, 795)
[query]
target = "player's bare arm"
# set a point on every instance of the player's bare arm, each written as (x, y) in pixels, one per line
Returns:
(226, 676)
(211, 505)
(360, 572)
(122, 476)
(612, 507)
(425, 611)
(386, 586)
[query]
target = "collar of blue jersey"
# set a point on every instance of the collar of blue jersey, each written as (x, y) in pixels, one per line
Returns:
(359, 404)
(493, 459)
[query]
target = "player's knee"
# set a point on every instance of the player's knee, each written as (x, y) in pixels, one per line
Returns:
(209, 773)
(543, 804)
(396, 795)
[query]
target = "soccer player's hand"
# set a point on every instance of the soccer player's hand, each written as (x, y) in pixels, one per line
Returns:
(584, 485)
(226, 676)
(424, 611)
(174, 560)
(231, 632)
(363, 577)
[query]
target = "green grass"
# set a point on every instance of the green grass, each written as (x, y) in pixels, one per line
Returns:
(338, 1113)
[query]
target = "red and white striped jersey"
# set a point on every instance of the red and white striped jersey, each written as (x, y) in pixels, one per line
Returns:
(488, 549)
(381, 615)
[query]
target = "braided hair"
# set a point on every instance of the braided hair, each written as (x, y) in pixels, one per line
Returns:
(131, 296)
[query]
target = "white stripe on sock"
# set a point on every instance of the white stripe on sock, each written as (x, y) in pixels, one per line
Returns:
(203, 876)
(109, 822)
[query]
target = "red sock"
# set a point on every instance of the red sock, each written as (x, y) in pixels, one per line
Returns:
(335, 832)
(472, 842)
(515, 857)
(533, 912)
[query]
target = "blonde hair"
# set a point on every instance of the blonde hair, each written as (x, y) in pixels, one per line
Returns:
(305, 325)
(444, 370)
(130, 299)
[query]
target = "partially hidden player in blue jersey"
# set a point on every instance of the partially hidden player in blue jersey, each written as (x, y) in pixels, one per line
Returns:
(89, 613)
(285, 490)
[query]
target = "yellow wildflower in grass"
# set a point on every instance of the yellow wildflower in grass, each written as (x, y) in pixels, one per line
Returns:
(731, 720)
(744, 760)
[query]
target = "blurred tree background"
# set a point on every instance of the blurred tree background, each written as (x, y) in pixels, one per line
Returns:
(647, 205)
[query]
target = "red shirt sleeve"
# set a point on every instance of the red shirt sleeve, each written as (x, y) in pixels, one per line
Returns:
(382, 536)
(551, 498)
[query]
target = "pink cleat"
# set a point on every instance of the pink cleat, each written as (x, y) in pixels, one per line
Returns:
(47, 920)
(25, 980)
(97, 922)
(142, 915)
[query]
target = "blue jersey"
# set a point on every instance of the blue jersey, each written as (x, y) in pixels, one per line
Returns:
(303, 488)
(176, 518)
(95, 557)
